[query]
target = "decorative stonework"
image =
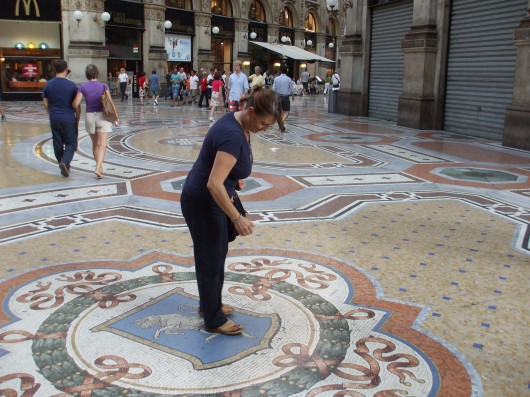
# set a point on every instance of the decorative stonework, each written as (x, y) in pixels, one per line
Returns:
(520, 36)
(87, 52)
(420, 44)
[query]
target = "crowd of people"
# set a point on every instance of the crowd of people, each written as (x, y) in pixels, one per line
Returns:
(215, 91)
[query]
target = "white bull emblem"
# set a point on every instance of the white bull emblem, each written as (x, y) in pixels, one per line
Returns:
(174, 324)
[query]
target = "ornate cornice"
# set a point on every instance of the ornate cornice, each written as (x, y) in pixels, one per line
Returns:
(521, 36)
(421, 38)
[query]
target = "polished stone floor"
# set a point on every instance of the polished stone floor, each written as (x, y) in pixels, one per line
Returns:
(385, 262)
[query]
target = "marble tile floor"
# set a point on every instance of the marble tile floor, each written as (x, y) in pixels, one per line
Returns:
(386, 262)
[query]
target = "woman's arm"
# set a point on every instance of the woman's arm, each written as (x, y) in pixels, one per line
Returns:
(77, 100)
(223, 164)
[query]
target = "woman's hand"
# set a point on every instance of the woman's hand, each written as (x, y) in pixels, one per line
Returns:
(240, 184)
(244, 226)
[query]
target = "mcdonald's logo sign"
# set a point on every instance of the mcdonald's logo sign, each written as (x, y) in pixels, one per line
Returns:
(27, 7)
(31, 10)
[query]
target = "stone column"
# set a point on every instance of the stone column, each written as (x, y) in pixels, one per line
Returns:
(154, 52)
(517, 118)
(321, 50)
(84, 41)
(241, 42)
(416, 106)
(352, 98)
(205, 56)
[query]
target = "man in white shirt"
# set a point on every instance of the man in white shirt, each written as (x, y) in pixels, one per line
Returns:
(335, 81)
(209, 80)
(123, 82)
(237, 87)
(194, 86)
(304, 79)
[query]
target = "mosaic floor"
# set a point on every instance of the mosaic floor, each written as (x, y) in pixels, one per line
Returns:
(385, 262)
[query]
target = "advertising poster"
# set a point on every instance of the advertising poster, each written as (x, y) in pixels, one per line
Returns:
(178, 48)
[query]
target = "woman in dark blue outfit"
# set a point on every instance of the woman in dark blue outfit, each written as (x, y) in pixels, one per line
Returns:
(224, 161)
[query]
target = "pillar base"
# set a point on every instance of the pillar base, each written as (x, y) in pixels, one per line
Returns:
(516, 132)
(416, 112)
(352, 103)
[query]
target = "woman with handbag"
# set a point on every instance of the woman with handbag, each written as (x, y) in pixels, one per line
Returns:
(224, 160)
(97, 124)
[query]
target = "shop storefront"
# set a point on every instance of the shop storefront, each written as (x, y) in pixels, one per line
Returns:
(123, 39)
(30, 39)
(178, 40)
(223, 42)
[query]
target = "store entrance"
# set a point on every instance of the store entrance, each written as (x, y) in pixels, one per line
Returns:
(133, 67)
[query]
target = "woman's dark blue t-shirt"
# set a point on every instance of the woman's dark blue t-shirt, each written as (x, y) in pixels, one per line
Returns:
(226, 135)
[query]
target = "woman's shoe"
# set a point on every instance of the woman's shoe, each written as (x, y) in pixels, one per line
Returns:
(99, 174)
(229, 328)
(225, 308)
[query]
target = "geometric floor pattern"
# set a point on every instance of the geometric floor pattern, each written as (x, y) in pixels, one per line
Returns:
(385, 261)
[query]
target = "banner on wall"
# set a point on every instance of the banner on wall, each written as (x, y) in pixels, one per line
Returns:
(178, 48)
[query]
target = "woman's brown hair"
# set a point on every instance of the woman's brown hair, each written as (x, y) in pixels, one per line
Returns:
(264, 101)
(91, 72)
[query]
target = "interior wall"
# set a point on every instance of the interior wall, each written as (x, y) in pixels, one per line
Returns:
(12, 32)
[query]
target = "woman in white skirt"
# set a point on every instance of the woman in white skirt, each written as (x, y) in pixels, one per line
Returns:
(217, 94)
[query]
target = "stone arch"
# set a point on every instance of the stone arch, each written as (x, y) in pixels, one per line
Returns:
(294, 13)
(316, 17)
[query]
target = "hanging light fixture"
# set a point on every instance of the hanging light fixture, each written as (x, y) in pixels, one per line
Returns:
(309, 43)
(105, 16)
(253, 35)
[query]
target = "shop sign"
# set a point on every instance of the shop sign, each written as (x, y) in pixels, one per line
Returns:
(31, 10)
(182, 21)
(178, 48)
(131, 15)
(30, 70)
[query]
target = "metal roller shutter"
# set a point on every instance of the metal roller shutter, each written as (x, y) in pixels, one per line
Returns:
(481, 65)
(390, 24)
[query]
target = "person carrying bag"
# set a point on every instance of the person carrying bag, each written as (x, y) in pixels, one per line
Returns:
(335, 81)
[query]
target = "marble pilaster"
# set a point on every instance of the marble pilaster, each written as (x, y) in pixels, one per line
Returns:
(517, 117)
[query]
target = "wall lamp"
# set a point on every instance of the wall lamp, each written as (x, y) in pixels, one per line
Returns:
(286, 39)
(332, 4)
(163, 26)
(330, 45)
(78, 15)
(214, 30)
(252, 35)
(308, 43)
(105, 17)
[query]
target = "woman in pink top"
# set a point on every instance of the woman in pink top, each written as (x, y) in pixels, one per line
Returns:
(217, 94)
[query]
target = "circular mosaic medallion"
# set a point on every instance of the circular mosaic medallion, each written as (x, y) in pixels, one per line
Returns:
(135, 331)
(148, 326)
